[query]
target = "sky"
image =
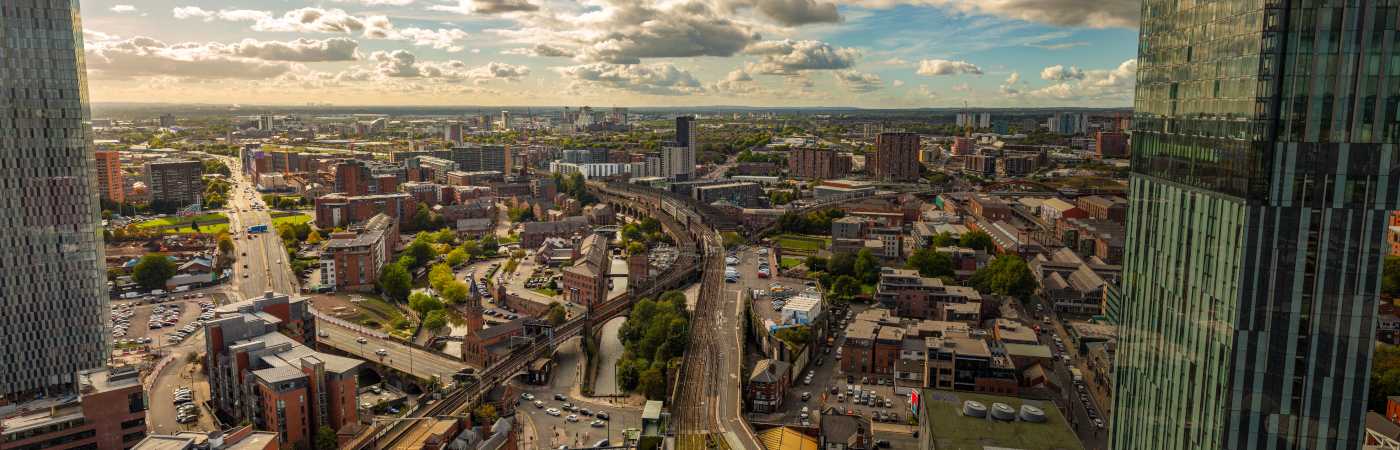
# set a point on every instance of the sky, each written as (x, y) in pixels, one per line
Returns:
(604, 53)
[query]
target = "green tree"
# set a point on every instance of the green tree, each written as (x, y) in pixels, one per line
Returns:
(439, 276)
(977, 240)
(816, 263)
(325, 439)
(845, 288)
(472, 248)
(484, 415)
(944, 239)
(931, 263)
(652, 382)
(455, 292)
(421, 251)
(557, 315)
(395, 282)
(456, 257)
(1390, 281)
(1006, 275)
(153, 270)
(422, 218)
(314, 237)
(225, 244)
(842, 264)
(435, 320)
(520, 214)
(867, 267)
(423, 304)
(636, 248)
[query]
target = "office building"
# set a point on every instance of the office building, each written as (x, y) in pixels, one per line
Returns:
(597, 155)
(109, 176)
(1111, 144)
(262, 370)
(167, 120)
(818, 163)
(478, 157)
(505, 120)
(453, 133)
(175, 183)
(265, 123)
(896, 157)
(1067, 123)
(677, 161)
(53, 291)
(1255, 232)
(685, 133)
(742, 194)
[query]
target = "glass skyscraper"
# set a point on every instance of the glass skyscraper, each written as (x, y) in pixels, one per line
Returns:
(1264, 160)
(53, 292)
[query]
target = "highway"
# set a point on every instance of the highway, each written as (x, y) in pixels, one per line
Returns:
(261, 264)
(421, 363)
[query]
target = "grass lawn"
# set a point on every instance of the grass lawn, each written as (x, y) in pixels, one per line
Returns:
(164, 222)
(203, 228)
(789, 262)
(802, 243)
(294, 219)
(546, 291)
(950, 430)
(374, 312)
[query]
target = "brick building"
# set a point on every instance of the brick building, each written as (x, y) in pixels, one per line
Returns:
(768, 384)
(913, 296)
(1104, 207)
(532, 234)
(352, 259)
(896, 157)
(175, 182)
(988, 208)
(109, 176)
(340, 210)
(818, 163)
(1111, 144)
(262, 370)
(109, 413)
(586, 281)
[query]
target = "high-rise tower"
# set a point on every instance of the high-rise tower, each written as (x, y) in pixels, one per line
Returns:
(1263, 163)
(53, 291)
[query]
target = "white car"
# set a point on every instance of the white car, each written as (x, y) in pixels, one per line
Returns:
(553, 412)
(572, 418)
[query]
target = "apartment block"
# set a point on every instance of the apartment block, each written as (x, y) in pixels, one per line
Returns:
(175, 182)
(109, 176)
(1111, 144)
(896, 157)
(910, 295)
(352, 259)
(818, 163)
(340, 210)
(109, 413)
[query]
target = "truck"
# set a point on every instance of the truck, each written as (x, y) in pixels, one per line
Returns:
(1075, 373)
(257, 229)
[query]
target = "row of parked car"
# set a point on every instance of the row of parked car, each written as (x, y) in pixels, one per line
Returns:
(185, 409)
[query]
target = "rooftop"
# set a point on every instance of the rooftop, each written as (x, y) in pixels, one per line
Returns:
(949, 429)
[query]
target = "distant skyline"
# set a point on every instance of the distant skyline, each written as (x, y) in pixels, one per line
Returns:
(757, 53)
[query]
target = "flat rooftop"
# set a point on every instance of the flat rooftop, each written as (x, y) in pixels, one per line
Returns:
(949, 429)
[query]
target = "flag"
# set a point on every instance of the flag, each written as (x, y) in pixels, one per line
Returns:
(914, 401)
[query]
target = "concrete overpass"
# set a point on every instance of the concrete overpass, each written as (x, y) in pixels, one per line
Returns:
(403, 359)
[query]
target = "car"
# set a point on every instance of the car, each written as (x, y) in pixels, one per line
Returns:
(585, 412)
(806, 396)
(568, 406)
(553, 412)
(602, 444)
(572, 418)
(527, 396)
(602, 416)
(1098, 423)
(840, 398)
(361, 340)
(597, 424)
(560, 397)
(381, 352)
(539, 404)
(849, 378)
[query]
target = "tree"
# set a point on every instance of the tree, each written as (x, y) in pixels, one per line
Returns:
(557, 315)
(422, 218)
(845, 287)
(944, 239)
(325, 438)
(816, 263)
(194, 225)
(636, 248)
(314, 237)
(435, 320)
(931, 263)
(455, 292)
(421, 251)
(520, 214)
(1385, 375)
(153, 270)
(977, 240)
(456, 257)
(1390, 277)
(395, 282)
(842, 264)
(423, 304)
(225, 244)
(1006, 275)
(439, 276)
(652, 382)
(867, 267)
(485, 414)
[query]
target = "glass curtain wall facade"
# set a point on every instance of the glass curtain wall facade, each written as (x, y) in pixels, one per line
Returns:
(53, 291)
(1263, 165)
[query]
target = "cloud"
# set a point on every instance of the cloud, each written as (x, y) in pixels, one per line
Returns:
(924, 91)
(1009, 86)
(300, 50)
(938, 67)
(788, 13)
(1061, 45)
(1066, 13)
(738, 81)
(441, 39)
(859, 82)
(404, 64)
(499, 71)
(653, 79)
(487, 7)
(542, 50)
(787, 57)
(1061, 73)
(147, 57)
(122, 9)
(332, 21)
(1116, 83)
(894, 62)
(626, 32)
(897, 83)
(379, 2)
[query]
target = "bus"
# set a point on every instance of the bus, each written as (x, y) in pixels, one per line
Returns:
(257, 229)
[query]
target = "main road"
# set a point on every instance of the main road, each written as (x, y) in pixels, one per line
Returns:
(261, 264)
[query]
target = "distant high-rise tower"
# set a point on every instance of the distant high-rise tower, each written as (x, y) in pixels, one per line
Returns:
(452, 133)
(167, 120)
(53, 287)
(1263, 166)
(110, 186)
(984, 120)
(896, 157)
(685, 132)
(505, 120)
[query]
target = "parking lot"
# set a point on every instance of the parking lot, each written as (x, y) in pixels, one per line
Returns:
(138, 328)
(549, 409)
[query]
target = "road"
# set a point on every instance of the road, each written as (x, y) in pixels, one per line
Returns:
(609, 352)
(261, 263)
(401, 357)
(551, 431)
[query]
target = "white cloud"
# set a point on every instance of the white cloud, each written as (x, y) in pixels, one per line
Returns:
(652, 79)
(299, 50)
(488, 7)
(1061, 73)
(788, 13)
(856, 81)
(404, 64)
(1009, 87)
(122, 9)
(937, 67)
(1070, 13)
(379, 2)
(787, 57)
(541, 50)
(141, 57)
(626, 32)
(1109, 84)
(332, 21)
(442, 39)
(738, 81)
(897, 83)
